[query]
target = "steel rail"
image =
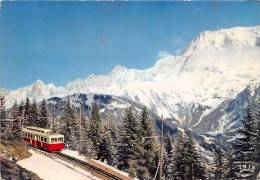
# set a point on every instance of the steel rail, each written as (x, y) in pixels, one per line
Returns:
(89, 166)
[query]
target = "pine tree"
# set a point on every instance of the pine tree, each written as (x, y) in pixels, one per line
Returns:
(230, 164)
(128, 138)
(44, 113)
(96, 129)
(87, 148)
(257, 143)
(112, 129)
(146, 153)
(106, 147)
(244, 146)
(194, 166)
(27, 108)
(69, 124)
(219, 163)
(186, 162)
(176, 170)
(17, 127)
(34, 114)
(2, 113)
(21, 108)
(168, 145)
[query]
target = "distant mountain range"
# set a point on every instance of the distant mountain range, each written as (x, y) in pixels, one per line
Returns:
(202, 89)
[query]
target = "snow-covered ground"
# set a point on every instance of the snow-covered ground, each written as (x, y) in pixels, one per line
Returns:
(112, 168)
(54, 169)
(75, 154)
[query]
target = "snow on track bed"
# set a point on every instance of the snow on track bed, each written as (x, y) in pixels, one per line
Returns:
(54, 169)
(97, 170)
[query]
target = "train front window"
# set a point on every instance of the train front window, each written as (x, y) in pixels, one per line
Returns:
(45, 139)
(41, 138)
(60, 139)
(53, 140)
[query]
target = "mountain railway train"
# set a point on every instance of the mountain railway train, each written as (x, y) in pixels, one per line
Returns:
(43, 138)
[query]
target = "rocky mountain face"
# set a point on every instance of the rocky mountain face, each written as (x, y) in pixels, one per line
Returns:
(190, 90)
(225, 119)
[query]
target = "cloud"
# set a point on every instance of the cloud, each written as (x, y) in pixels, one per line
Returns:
(162, 54)
(177, 40)
(177, 52)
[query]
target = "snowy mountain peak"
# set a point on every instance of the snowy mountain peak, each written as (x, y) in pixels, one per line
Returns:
(3, 91)
(237, 37)
(117, 70)
(39, 83)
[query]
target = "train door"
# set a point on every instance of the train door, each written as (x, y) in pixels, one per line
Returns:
(36, 140)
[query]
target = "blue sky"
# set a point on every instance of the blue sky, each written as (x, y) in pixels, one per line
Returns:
(61, 41)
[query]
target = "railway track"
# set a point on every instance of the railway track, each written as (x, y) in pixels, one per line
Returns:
(90, 167)
(100, 172)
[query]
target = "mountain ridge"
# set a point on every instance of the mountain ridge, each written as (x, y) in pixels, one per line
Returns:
(204, 75)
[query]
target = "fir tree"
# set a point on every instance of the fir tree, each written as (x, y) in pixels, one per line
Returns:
(44, 122)
(186, 162)
(194, 166)
(96, 129)
(257, 143)
(27, 108)
(17, 127)
(168, 145)
(230, 164)
(176, 170)
(219, 163)
(87, 148)
(128, 138)
(21, 108)
(34, 114)
(113, 137)
(106, 147)
(244, 146)
(2, 113)
(146, 153)
(69, 124)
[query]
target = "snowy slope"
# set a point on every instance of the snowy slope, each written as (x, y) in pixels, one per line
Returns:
(54, 169)
(215, 66)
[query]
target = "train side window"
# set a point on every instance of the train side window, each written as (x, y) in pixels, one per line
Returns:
(60, 139)
(41, 138)
(29, 135)
(53, 140)
(45, 139)
(32, 136)
(25, 134)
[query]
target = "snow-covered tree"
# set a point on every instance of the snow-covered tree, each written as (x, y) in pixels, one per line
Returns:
(145, 158)
(17, 127)
(257, 142)
(27, 108)
(128, 139)
(69, 126)
(244, 146)
(186, 162)
(44, 113)
(168, 145)
(87, 147)
(96, 129)
(2, 113)
(34, 114)
(230, 168)
(218, 166)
